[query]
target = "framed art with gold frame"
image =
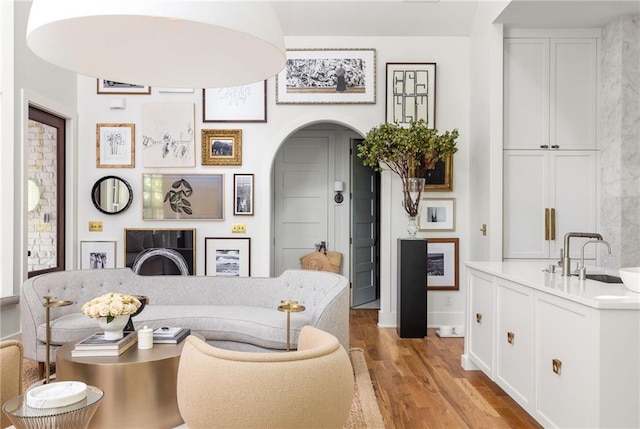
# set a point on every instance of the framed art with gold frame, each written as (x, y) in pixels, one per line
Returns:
(438, 178)
(115, 145)
(221, 147)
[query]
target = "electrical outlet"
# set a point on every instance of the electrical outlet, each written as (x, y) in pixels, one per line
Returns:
(95, 226)
(447, 301)
(238, 227)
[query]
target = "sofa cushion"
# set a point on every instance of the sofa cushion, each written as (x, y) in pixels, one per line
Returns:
(264, 327)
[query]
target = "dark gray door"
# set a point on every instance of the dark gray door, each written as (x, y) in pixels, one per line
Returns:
(364, 230)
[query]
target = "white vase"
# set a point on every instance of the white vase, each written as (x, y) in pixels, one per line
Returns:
(114, 329)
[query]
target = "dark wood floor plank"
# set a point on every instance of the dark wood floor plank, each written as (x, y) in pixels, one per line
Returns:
(419, 383)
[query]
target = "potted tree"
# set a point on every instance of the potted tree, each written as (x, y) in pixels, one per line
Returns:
(402, 149)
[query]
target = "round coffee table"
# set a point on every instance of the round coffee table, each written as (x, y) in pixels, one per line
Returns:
(139, 385)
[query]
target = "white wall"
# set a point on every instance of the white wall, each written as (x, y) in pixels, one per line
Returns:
(53, 89)
(261, 142)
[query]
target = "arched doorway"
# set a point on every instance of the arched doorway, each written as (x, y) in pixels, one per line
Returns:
(309, 168)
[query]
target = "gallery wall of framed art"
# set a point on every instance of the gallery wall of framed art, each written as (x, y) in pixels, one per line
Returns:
(175, 130)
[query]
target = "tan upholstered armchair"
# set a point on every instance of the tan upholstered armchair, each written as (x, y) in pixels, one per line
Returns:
(10, 374)
(308, 388)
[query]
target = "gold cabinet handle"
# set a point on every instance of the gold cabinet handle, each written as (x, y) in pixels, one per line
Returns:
(546, 224)
(479, 317)
(553, 224)
(557, 366)
(510, 337)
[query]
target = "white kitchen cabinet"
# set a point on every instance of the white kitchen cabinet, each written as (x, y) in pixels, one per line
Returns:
(482, 314)
(547, 194)
(550, 93)
(514, 341)
(565, 363)
(573, 360)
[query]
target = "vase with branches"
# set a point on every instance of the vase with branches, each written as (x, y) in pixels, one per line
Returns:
(401, 149)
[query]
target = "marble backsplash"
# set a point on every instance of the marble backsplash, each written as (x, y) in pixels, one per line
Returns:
(619, 142)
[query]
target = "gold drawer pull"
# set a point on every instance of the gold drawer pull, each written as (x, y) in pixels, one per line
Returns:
(510, 337)
(557, 366)
(546, 224)
(479, 317)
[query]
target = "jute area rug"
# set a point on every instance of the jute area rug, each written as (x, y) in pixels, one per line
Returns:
(365, 413)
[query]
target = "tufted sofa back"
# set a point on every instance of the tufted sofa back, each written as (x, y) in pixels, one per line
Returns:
(315, 289)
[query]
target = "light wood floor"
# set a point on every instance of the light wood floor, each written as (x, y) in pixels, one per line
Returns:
(420, 383)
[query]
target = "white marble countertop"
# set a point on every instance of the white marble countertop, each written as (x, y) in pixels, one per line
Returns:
(592, 293)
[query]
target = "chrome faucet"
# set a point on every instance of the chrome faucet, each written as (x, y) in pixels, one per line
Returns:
(566, 259)
(582, 271)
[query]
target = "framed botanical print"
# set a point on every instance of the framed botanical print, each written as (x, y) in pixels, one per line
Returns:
(115, 145)
(411, 93)
(330, 76)
(242, 103)
(221, 147)
(442, 264)
(243, 194)
(183, 196)
(227, 257)
(168, 135)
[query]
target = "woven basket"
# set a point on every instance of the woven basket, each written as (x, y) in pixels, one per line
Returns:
(319, 261)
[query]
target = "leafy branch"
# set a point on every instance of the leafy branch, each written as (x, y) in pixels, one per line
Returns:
(402, 149)
(180, 189)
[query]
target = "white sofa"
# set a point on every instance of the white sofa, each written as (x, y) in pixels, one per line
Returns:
(239, 313)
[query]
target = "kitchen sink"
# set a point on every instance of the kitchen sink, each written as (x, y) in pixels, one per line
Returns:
(606, 278)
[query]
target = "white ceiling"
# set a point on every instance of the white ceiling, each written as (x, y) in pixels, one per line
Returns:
(362, 18)
(566, 14)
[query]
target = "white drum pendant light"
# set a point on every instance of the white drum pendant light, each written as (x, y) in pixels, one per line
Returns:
(181, 44)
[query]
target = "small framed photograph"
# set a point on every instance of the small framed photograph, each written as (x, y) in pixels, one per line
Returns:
(96, 255)
(437, 214)
(113, 87)
(411, 93)
(183, 197)
(329, 76)
(243, 194)
(227, 257)
(115, 145)
(179, 247)
(243, 103)
(442, 264)
(438, 176)
(221, 147)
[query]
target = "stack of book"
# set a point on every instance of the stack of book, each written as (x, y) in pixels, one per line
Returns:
(96, 345)
(170, 335)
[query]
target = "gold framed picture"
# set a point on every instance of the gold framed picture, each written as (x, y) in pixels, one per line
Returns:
(438, 175)
(115, 145)
(221, 147)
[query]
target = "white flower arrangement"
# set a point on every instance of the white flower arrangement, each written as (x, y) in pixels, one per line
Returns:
(111, 305)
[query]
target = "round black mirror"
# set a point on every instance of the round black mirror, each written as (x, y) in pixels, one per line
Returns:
(111, 195)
